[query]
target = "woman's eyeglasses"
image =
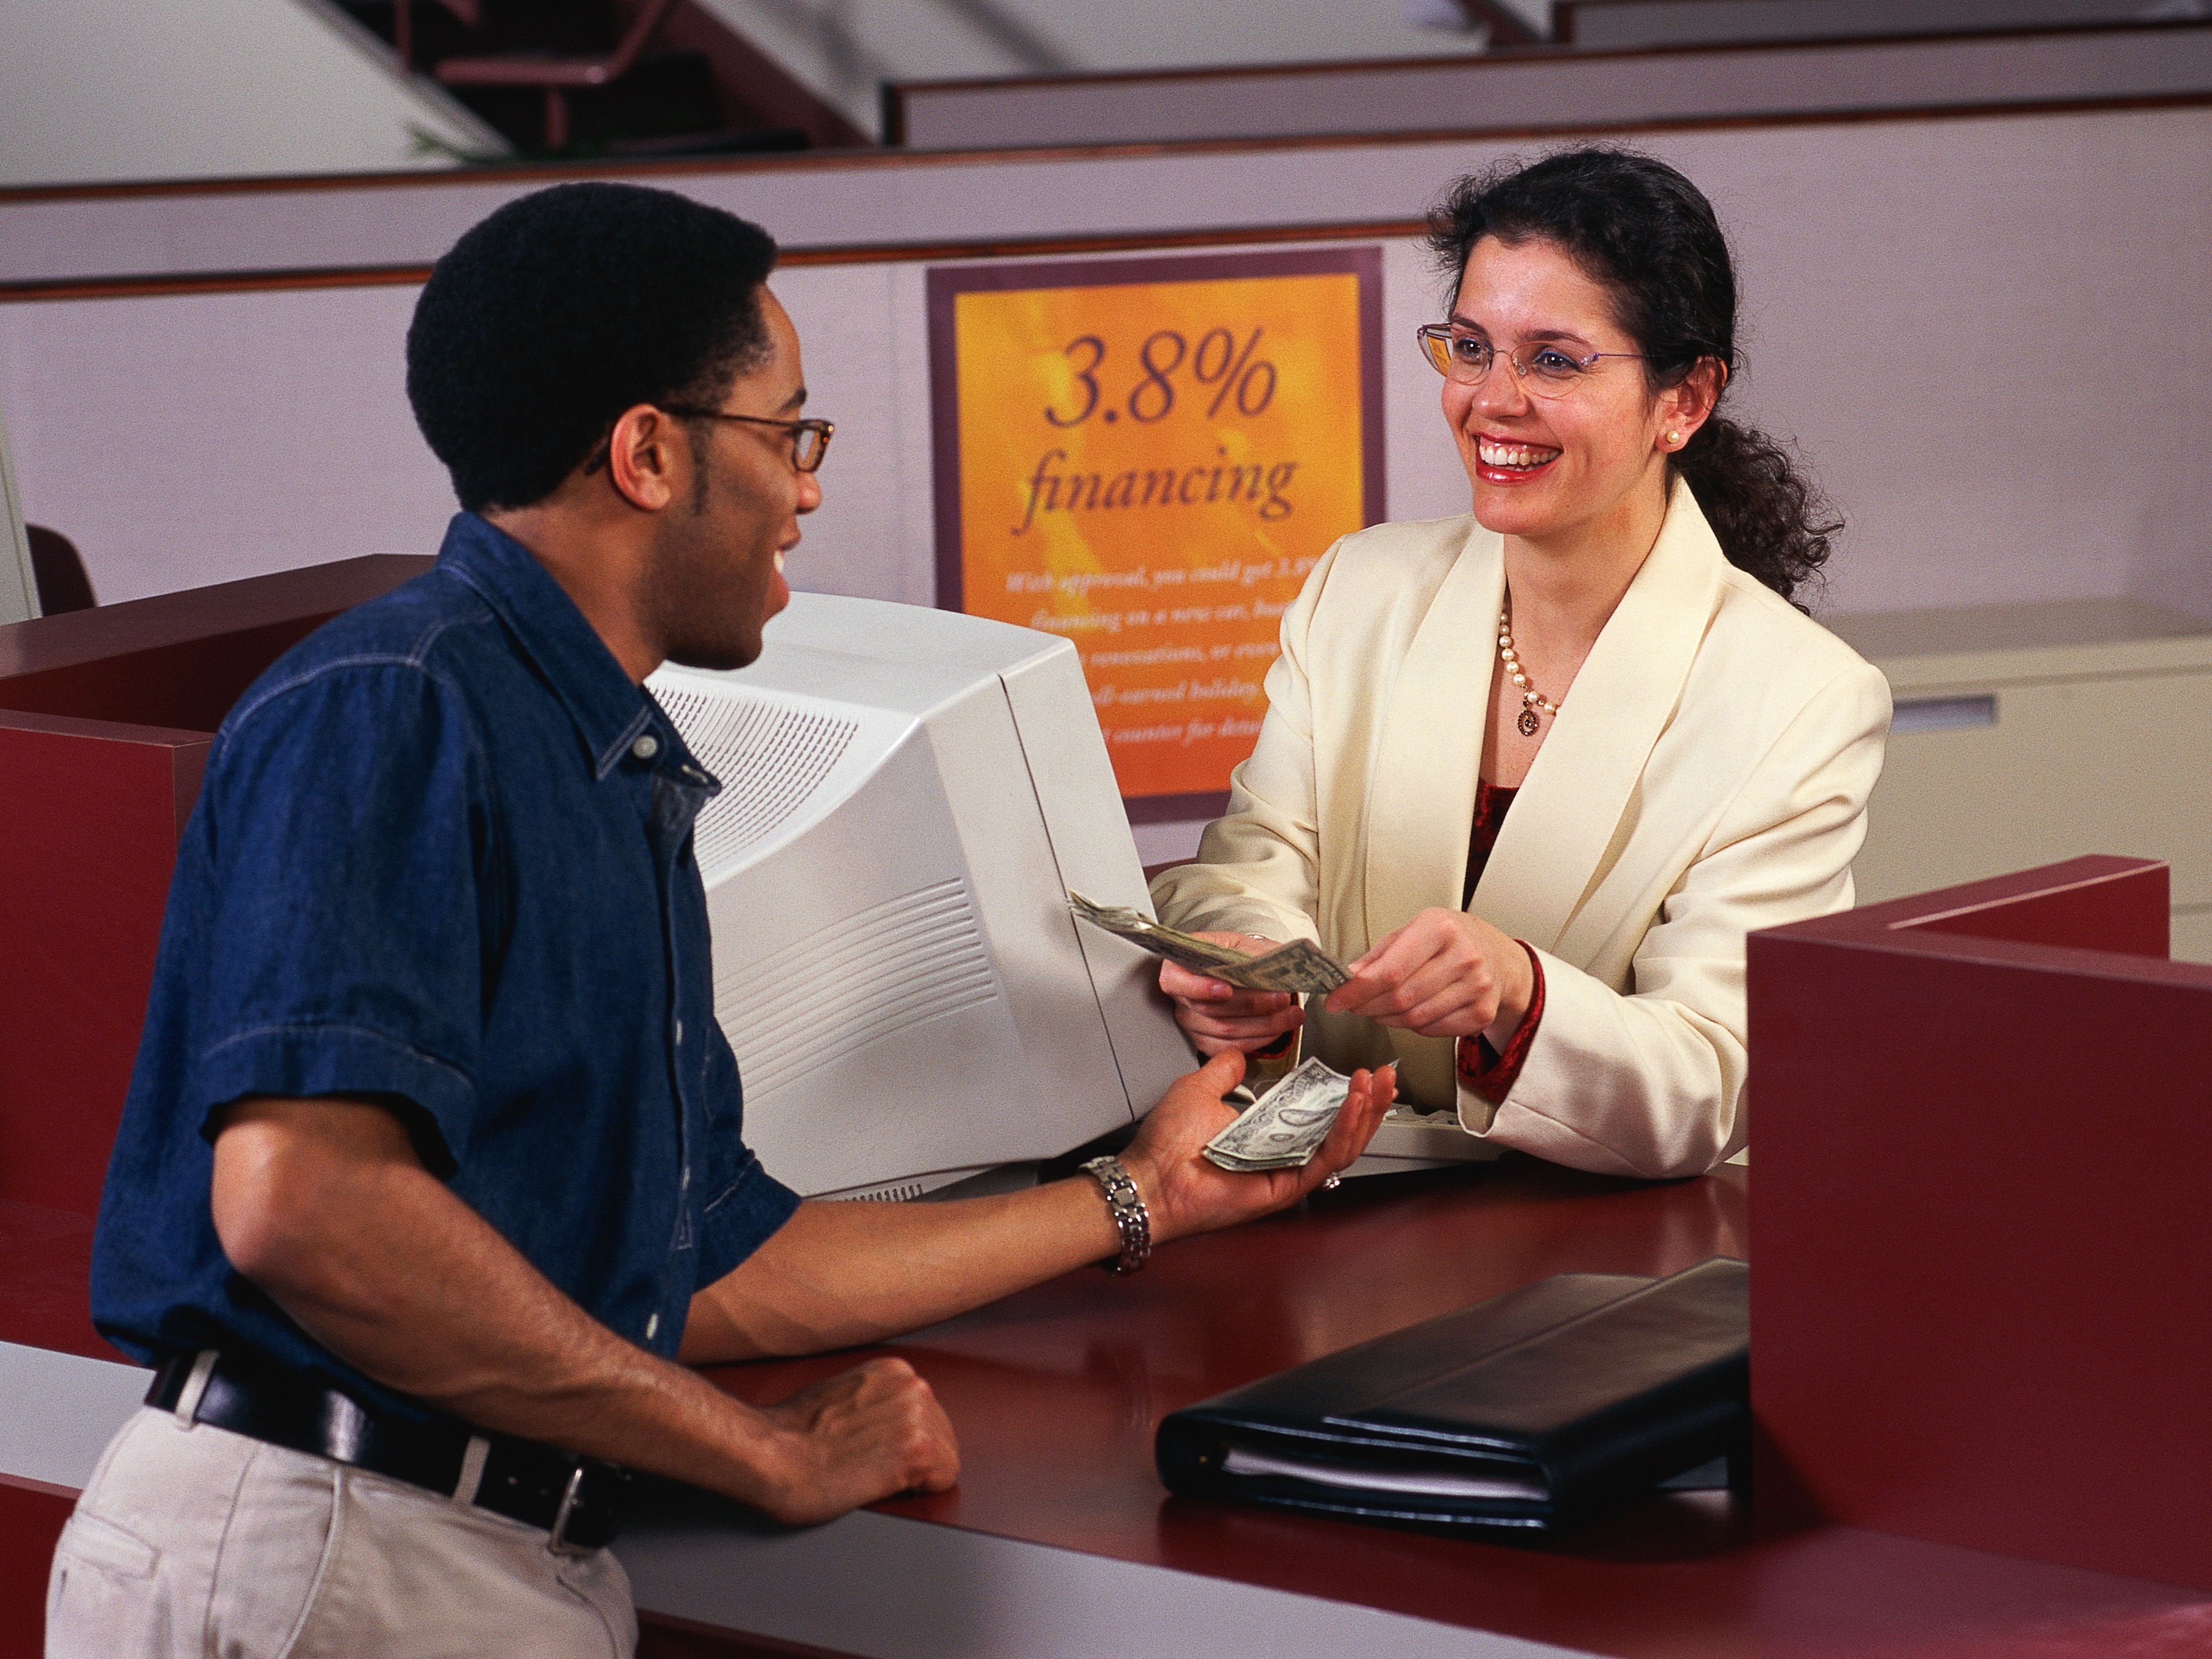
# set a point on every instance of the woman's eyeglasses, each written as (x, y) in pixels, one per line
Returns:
(1544, 371)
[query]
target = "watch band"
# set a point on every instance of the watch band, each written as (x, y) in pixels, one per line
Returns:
(1127, 1206)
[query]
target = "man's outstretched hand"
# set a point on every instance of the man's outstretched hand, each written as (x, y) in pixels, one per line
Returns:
(1186, 1193)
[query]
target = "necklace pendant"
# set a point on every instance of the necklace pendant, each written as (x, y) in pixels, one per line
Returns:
(1527, 722)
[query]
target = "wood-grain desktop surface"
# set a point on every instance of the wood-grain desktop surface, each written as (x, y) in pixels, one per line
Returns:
(1055, 1394)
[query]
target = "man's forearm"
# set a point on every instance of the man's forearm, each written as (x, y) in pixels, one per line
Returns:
(838, 1275)
(323, 1205)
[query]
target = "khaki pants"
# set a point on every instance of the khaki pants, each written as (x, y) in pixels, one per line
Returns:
(195, 1542)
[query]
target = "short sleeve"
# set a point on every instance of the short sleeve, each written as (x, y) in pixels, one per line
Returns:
(745, 1203)
(348, 893)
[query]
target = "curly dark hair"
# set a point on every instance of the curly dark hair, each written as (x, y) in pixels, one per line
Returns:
(1648, 235)
(542, 324)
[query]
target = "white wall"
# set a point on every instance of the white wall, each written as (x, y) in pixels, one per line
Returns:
(844, 49)
(95, 90)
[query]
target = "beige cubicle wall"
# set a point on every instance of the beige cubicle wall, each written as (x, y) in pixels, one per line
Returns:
(1949, 315)
(2027, 734)
(1927, 304)
(1711, 79)
(1632, 23)
(182, 439)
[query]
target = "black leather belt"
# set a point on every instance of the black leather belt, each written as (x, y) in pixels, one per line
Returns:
(579, 1501)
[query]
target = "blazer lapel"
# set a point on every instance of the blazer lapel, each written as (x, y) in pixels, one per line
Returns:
(1420, 801)
(1552, 847)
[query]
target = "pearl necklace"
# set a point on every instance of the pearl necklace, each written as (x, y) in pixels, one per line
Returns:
(1531, 699)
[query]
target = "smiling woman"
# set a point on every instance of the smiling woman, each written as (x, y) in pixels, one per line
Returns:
(1534, 772)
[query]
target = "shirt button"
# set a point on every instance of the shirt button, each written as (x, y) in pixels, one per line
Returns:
(680, 1031)
(645, 747)
(651, 1327)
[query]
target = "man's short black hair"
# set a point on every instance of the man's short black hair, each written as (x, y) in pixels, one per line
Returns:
(563, 309)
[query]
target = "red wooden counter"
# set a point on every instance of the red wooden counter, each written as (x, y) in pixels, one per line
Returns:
(1055, 1394)
(1060, 1518)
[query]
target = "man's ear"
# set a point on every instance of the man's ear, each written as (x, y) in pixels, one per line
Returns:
(646, 452)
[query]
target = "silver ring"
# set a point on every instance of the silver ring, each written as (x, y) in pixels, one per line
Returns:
(1332, 1182)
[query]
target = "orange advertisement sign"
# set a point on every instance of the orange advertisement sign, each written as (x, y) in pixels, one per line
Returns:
(1148, 457)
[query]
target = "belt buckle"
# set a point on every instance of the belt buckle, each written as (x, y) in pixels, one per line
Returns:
(558, 1540)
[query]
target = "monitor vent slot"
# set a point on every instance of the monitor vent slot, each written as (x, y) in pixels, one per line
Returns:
(771, 758)
(862, 979)
(896, 1192)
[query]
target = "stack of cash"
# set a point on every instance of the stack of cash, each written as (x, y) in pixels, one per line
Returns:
(1299, 967)
(1286, 1126)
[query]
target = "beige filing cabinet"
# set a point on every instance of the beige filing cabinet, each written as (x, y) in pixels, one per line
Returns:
(2028, 733)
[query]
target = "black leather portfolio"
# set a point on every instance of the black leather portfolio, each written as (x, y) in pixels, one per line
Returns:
(1537, 1409)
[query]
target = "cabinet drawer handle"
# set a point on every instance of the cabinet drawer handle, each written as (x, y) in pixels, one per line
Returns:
(1942, 713)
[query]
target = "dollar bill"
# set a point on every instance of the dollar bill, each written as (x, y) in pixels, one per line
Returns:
(1286, 1126)
(1299, 967)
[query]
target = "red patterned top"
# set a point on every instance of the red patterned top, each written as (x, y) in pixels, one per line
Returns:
(1480, 1066)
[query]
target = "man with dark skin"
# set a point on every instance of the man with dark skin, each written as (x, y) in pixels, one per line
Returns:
(347, 1234)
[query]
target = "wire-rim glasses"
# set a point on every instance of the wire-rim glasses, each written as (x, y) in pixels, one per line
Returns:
(810, 438)
(1544, 370)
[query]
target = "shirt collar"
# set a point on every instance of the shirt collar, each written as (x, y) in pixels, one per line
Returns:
(610, 711)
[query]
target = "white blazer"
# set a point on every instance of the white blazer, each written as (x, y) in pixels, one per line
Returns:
(1708, 774)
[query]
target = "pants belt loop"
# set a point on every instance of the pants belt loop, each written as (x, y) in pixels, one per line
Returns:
(473, 1469)
(188, 1403)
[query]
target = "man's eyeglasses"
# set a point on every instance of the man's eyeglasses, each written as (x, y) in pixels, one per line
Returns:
(810, 439)
(1544, 371)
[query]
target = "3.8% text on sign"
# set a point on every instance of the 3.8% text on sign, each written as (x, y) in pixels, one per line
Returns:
(1235, 375)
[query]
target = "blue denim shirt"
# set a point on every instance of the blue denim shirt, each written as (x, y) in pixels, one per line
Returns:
(442, 858)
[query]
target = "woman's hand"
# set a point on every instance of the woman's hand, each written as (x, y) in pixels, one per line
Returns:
(1217, 1016)
(1444, 973)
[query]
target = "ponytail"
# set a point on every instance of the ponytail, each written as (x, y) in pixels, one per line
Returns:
(1771, 519)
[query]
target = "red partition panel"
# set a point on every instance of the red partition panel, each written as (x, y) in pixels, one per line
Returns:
(105, 721)
(88, 838)
(1982, 1312)
(180, 659)
(31, 1519)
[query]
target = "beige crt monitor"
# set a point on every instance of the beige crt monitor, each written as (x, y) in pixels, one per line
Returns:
(907, 796)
